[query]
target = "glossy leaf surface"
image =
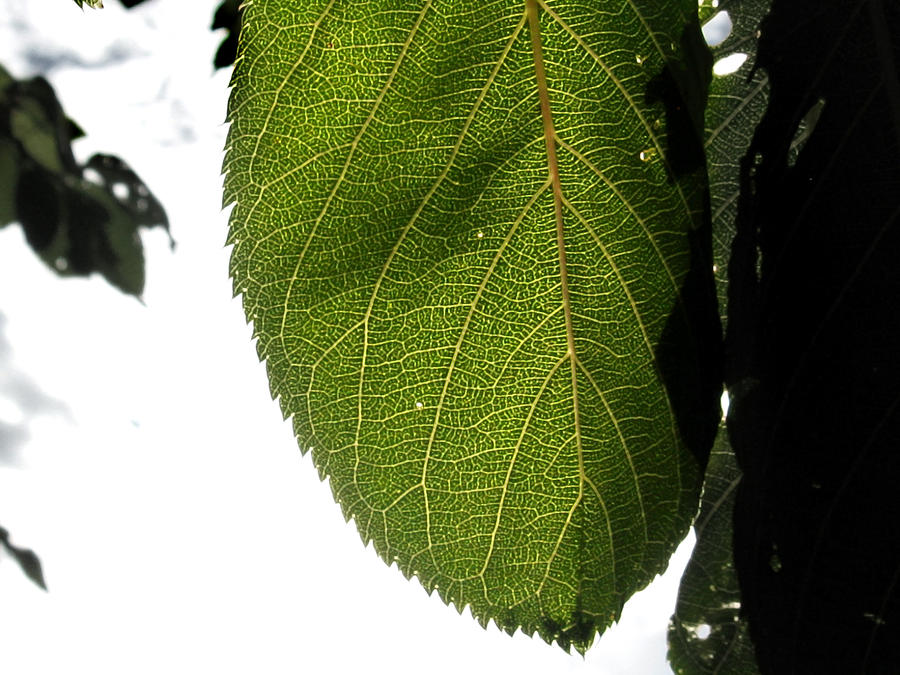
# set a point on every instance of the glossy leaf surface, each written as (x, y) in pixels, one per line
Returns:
(474, 246)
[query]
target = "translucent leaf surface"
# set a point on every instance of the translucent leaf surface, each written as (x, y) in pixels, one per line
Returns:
(473, 243)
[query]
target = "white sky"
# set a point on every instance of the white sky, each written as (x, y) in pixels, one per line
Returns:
(181, 530)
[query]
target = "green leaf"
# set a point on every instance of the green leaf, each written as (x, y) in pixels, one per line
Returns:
(8, 173)
(75, 224)
(706, 632)
(709, 597)
(474, 246)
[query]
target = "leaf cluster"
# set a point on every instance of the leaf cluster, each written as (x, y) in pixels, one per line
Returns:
(410, 201)
(78, 218)
(500, 265)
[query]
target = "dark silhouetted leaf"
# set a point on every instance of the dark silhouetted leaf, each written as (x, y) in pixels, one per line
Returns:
(228, 16)
(813, 336)
(78, 219)
(706, 633)
(28, 561)
(98, 4)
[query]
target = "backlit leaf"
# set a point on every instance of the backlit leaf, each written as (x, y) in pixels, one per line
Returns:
(473, 242)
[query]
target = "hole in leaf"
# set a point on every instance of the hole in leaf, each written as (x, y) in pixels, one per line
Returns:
(92, 176)
(775, 563)
(703, 631)
(121, 191)
(729, 64)
(874, 618)
(717, 29)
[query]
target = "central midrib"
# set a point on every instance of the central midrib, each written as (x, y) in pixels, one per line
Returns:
(531, 8)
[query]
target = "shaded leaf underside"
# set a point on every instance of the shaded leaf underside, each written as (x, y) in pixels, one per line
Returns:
(736, 104)
(814, 282)
(707, 633)
(460, 241)
(25, 558)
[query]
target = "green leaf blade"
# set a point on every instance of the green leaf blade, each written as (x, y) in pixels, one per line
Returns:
(469, 340)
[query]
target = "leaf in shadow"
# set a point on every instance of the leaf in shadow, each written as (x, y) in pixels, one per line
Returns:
(227, 16)
(706, 632)
(708, 594)
(78, 219)
(737, 102)
(815, 414)
(26, 558)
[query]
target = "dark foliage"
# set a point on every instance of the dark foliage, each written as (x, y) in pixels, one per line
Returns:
(228, 16)
(79, 219)
(813, 334)
(26, 559)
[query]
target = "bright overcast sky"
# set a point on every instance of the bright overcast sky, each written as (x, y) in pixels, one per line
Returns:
(181, 530)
